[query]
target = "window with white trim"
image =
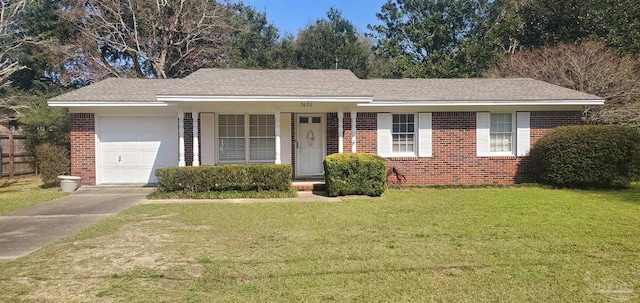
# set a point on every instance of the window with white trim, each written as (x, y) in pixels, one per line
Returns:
(231, 138)
(403, 133)
(246, 138)
(501, 133)
(262, 138)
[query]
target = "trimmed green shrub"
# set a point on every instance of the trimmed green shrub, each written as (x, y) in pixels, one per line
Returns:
(240, 177)
(53, 161)
(354, 174)
(594, 156)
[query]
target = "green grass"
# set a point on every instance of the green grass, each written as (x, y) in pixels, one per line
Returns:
(22, 192)
(264, 194)
(420, 245)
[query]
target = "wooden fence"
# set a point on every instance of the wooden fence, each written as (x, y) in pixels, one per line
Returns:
(15, 158)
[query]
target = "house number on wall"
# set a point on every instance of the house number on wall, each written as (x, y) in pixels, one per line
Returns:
(306, 104)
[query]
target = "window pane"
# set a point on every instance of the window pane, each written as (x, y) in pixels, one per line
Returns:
(262, 137)
(403, 133)
(304, 120)
(262, 126)
(262, 149)
(315, 120)
(231, 126)
(501, 132)
(231, 149)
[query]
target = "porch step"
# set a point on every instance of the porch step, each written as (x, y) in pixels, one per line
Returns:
(309, 185)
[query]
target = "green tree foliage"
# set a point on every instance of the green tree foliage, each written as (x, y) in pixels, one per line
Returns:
(429, 38)
(334, 42)
(256, 46)
(44, 124)
(549, 22)
(53, 161)
(43, 51)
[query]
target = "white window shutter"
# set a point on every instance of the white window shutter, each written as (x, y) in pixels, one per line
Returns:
(523, 135)
(483, 123)
(424, 135)
(207, 139)
(285, 138)
(384, 134)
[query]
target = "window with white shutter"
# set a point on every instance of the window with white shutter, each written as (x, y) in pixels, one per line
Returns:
(502, 134)
(404, 135)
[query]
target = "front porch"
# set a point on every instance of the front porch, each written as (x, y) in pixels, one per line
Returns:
(299, 139)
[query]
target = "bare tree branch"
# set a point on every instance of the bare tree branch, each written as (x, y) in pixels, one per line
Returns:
(588, 67)
(10, 39)
(159, 38)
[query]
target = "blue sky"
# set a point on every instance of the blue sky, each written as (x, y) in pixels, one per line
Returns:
(292, 15)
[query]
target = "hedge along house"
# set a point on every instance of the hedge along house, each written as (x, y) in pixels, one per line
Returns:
(432, 131)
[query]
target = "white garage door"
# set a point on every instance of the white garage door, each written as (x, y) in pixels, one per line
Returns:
(132, 148)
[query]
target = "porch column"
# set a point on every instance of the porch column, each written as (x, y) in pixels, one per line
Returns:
(354, 115)
(196, 141)
(278, 151)
(181, 161)
(340, 131)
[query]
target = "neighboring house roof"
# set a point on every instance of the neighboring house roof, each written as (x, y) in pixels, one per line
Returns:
(321, 83)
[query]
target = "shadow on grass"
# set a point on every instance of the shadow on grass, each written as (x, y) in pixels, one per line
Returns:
(442, 269)
(627, 195)
(50, 185)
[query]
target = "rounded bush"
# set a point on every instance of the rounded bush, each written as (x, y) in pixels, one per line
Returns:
(595, 156)
(354, 174)
(53, 161)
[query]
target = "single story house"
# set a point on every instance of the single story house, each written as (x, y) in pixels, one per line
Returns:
(432, 131)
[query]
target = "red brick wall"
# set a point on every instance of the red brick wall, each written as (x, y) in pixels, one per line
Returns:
(454, 158)
(83, 147)
(188, 139)
(332, 133)
(366, 136)
(366, 133)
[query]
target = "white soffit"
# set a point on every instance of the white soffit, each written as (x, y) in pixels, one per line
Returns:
(107, 104)
(482, 103)
(168, 98)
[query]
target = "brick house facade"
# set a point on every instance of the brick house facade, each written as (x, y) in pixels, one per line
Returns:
(431, 131)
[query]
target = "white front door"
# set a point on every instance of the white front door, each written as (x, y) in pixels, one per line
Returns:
(310, 145)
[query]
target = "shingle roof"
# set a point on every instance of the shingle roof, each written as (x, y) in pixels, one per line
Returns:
(316, 83)
(245, 82)
(473, 89)
(118, 89)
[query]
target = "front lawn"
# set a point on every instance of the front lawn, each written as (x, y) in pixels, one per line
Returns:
(423, 245)
(23, 192)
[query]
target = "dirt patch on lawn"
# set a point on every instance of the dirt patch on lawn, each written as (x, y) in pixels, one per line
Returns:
(95, 264)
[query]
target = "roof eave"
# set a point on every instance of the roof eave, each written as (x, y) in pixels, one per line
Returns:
(68, 103)
(582, 102)
(325, 99)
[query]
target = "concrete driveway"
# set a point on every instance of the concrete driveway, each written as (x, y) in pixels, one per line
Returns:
(28, 229)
